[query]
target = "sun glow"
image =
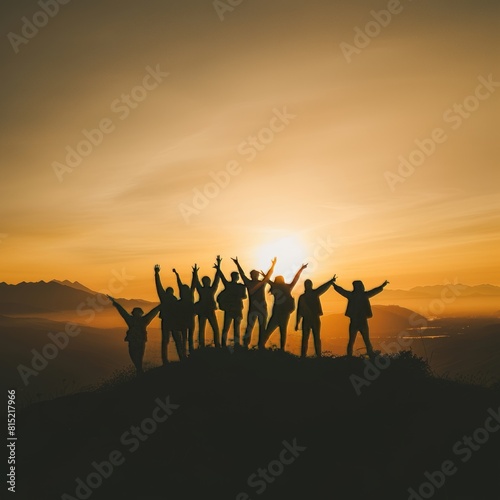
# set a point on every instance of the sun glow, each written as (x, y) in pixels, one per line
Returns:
(290, 252)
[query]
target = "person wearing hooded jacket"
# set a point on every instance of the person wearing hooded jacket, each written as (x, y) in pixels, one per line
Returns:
(359, 310)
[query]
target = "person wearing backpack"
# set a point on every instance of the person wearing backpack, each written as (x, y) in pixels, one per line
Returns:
(283, 306)
(309, 311)
(230, 301)
(206, 306)
(137, 336)
(257, 308)
(358, 311)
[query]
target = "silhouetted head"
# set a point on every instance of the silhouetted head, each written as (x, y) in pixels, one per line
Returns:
(358, 286)
(137, 311)
(235, 276)
(169, 290)
(308, 284)
(254, 274)
(205, 280)
(279, 280)
(185, 291)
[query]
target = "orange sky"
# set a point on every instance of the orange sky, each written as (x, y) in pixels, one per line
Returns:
(315, 181)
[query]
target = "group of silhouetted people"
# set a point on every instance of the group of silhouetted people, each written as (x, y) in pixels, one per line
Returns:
(178, 313)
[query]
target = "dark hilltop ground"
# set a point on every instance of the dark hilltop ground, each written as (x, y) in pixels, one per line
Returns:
(243, 411)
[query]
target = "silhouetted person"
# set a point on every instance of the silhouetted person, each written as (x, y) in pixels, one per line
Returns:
(309, 310)
(231, 302)
(257, 309)
(207, 306)
(186, 311)
(169, 312)
(359, 310)
(283, 306)
(137, 335)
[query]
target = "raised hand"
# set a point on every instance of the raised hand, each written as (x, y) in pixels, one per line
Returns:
(195, 269)
(273, 262)
(385, 283)
(157, 268)
(235, 260)
(334, 279)
(304, 266)
(174, 271)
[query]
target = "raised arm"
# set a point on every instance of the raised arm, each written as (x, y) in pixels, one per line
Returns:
(374, 291)
(195, 280)
(240, 270)
(323, 288)
(159, 287)
(124, 314)
(297, 276)
(219, 271)
(151, 314)
(266, 278)
(179, 282)
(340, 290)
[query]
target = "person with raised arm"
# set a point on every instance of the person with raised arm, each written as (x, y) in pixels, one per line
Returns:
(309, 311)
(359, 310)
(186, 310)
(231, 302)
(206, 306)
(169, 312)
(137, 335)
(257, 310)
(283, 306)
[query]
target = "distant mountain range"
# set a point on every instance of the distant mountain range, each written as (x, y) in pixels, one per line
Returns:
(433, 291)
(56, 296)
(49, 297)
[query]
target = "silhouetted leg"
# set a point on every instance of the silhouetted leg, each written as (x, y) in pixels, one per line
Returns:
(165, 337)
(305, 338)
(251, 318)
(177, 336)
(262, 318)
(225, 328)
(191, 335)
(271, 326)
(136, 352)
(237, 328)
(365, 333)
(353, 330)
(212, 319)
(316, 330)
(283, 325)
(202, 321)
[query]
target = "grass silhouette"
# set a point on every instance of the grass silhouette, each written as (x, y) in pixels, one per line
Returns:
(235, 411)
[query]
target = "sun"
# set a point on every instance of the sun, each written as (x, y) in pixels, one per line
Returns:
(290, 252)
